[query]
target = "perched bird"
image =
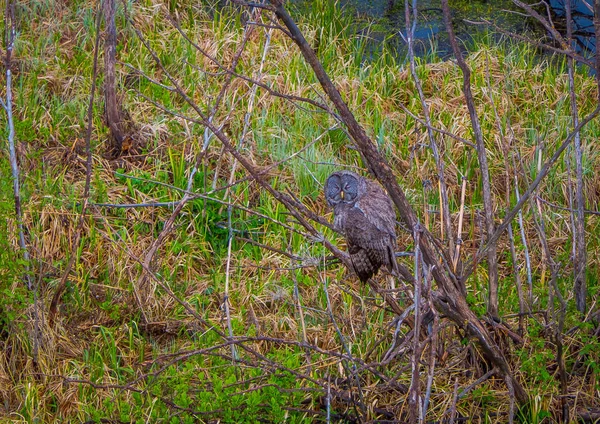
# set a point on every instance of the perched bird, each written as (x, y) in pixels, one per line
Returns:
(364, 214)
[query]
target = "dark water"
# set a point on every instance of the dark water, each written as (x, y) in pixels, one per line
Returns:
(383, 21)
(389, 19)
(583, 23)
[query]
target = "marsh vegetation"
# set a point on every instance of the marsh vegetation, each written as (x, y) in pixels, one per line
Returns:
(190, 273)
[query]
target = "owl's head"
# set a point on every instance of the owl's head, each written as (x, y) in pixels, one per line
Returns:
(343, 187)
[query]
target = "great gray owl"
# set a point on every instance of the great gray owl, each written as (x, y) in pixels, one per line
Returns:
(365, 215)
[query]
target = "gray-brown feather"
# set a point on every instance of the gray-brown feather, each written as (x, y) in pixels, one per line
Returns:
(368, 222)
(368, 243)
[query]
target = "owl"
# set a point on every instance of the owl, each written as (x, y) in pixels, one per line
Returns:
(364, 214)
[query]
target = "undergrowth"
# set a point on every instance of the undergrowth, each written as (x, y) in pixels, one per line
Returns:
(110, 359)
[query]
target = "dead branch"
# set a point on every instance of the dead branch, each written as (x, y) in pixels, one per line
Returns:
(231, 71)
(9, 25)
(536, 43)
(433, 145)
(298, 210)
(112, 106)
(505, 148)
(88, 178)
(449, 300)
(432, 357)
(579, 246)
(488, 205)
(414, 393)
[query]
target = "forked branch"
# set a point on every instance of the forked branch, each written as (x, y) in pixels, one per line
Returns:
(449, 298)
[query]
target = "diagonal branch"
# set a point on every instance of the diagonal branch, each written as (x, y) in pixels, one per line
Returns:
(60, 288)
(488, 204)
(530, 190)
(449, 299)
(578, 216)
(297, 209)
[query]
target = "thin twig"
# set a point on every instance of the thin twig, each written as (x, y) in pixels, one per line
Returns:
(251, 100)
(464, 392)
(488, 204)
(192, 195)
(565, 208)
(9, 25)
(433, 145)
(234, 355)
(392, 352)
(525, 245)
(461, 214)
(232, 72)
(435, 129)
(533, 42)
(454, 401)
(349, 364)
(88, 177)
(432, 357)
(414, 394)
(579, 247)
(300, 312)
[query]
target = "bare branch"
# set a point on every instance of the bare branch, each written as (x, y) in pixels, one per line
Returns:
(439, 161)
(298, 210)
(449, 300)
(488, 204)
(540, 177)
(580, 255)
(88, 178)
(9, 24)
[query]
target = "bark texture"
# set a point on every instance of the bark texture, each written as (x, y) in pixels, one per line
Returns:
(111, 103)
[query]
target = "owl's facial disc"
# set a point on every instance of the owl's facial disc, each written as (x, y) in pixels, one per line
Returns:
(333, 190)
(349, 188)
(342, 188)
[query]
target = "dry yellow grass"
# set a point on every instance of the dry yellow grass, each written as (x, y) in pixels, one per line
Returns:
(101, 335)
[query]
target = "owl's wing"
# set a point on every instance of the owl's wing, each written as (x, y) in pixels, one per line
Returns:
(368, 245)
(377, 206)
(363, 265)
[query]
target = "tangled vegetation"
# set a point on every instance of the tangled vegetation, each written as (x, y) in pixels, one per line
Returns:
(239, 314)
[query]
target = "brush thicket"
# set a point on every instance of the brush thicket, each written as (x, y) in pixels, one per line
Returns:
(110, 332)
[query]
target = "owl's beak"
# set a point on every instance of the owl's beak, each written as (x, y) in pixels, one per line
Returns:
(342, 194)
